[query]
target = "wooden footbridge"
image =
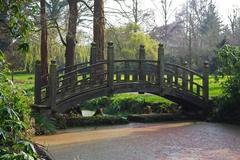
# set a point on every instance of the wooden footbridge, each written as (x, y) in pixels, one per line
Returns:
(67, 87)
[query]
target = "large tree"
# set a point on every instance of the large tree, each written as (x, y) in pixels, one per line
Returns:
(44, 39)
(71, 33)
(98, 27)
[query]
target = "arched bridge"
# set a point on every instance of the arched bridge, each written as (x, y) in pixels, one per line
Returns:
(69, 86)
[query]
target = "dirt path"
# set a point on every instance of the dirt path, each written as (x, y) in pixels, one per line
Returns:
(162, 141)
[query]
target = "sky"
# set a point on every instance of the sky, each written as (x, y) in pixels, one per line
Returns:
(224, 7)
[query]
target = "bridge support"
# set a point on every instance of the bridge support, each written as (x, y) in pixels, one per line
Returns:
(110, 66)
(53, 86)
(206, 81)
(161, 67)
(37, 88)
(142, 76)
(142, 56)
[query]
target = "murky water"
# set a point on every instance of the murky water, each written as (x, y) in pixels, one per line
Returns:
(162, 141)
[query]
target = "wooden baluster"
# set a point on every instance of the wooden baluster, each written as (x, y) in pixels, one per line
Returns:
(52, 86)
(152, 76)
(84, 76)
(37, 83)
(126, 71)
(185, 78)
(135, 75)
(110, 66)
(206, 81)
(74, 77)
(118, 75)
(191, 82)
(198, 90)
(176, 77)
(170, 79)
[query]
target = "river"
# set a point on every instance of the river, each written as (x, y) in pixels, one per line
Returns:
(158, 141)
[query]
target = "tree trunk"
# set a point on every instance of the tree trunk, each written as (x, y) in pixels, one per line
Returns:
(71, 34)
(44, 41)
(99, 28)
(98, 36)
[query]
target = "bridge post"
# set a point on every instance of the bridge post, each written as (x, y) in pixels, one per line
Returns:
(110, 66)
(185, 77)
(142, 78)
(37, 88)
(93, 53)
(93, 59)
(160, 66)
(206, 81)
(52, 85)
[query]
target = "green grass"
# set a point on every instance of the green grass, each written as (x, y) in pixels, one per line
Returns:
(215, 88)
(23, 80)
(147, 97)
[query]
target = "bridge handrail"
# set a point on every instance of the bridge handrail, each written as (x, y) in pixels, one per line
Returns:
(135, 60)
(61, 69)
(82, 68)
(185, 68)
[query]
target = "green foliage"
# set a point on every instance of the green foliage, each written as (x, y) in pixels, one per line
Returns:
(18, 21)
(43, 125)
(229, 64)
(14, 121)
(3, 64)
(96, 121)
(127, 103)
(127, 42)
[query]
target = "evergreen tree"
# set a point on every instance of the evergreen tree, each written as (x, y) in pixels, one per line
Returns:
(211, 27)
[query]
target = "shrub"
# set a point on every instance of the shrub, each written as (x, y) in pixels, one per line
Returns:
(43, 125)
(95, 121)
(14, 121)
(228, 104)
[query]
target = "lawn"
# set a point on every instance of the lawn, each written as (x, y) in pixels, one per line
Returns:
(24, 81)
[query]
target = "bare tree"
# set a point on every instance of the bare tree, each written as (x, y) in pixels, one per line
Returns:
(133, 13)
(234, 17)
(167, 11)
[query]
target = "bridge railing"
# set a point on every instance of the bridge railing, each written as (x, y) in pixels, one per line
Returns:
(73, 80)
(184, 79)
(141, 71)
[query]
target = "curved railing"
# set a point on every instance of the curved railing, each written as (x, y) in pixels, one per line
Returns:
(183, 78)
